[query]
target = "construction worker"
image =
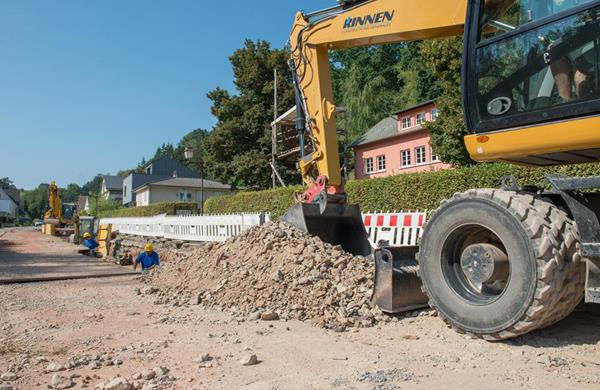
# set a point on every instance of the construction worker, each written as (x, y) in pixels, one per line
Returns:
(89, 242)
(148, 258)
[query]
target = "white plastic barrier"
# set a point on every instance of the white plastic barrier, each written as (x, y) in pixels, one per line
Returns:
(398, 228)
(188, 227)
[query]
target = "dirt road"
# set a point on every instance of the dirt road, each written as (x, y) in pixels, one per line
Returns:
(86, 332)
(26, 254)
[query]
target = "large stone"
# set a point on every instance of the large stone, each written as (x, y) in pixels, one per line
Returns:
(55, 367)
(117, 383)
(249, 360)
(61, 382)
(268, 315)
(160, 371)
(8, 376)
(149, 374)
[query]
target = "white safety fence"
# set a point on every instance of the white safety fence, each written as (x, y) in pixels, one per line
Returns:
(188, 227)
(398, 228)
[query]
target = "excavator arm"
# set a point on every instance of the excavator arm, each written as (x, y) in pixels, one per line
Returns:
(351, 24)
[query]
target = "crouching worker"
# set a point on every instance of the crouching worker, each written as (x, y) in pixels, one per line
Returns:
(148, 258)
(90, 243)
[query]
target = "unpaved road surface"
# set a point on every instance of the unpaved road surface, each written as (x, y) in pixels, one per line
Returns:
(92, 330)
(26, 254)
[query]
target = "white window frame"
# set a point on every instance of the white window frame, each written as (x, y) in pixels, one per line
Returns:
(378, 160)
(434, 157)
(420, 154)
(369, 165)
(402, 159)
(434, 114)
(406, 122)
(421, 116)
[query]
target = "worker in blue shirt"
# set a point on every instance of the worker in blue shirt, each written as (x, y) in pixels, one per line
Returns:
(90, 244)
(148, 258)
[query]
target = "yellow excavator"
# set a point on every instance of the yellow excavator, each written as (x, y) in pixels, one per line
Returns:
(60, 218)
(496, 262)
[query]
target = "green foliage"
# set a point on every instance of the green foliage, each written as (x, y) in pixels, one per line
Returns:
(422, 191)
(102, 206)
(238, 149)
(34, 202)
(5, 183)
(92, 186)
(374, 82)
(169, 208)
(194, 139)
(443, 57)
(275, 201)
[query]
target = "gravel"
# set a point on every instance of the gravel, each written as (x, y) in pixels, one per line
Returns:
(270, 272)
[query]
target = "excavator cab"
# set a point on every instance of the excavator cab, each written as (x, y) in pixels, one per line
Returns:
(533, 75)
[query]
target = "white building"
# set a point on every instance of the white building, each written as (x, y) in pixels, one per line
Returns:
(178, 189)
(9, 202)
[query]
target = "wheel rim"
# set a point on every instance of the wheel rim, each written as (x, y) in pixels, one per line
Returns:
(475, 264)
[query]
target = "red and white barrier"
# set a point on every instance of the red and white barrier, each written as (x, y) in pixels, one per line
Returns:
(398, 228)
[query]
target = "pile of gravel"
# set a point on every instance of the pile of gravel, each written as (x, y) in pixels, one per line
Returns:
(273, 271)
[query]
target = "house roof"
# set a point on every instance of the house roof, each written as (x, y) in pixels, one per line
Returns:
(5, 195)
(414, 107)
(81, 202)
(113, 182)
(187, 182)
(14, 193)
(386, 128)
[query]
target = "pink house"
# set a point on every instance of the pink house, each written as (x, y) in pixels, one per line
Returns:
(398, 144)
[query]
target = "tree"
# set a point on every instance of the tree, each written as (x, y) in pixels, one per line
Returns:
(6, 183)
(374, 82)
(194, 139)
(93, 186)
(35, 202)
(444, 58)
(238, 149)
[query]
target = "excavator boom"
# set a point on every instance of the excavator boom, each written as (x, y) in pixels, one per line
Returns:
(367, 23)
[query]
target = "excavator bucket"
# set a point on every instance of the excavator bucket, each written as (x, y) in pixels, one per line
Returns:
(337, 224)
(397, 286)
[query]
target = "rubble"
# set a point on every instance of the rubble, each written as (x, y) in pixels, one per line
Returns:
(116, 383)
(55, 367)
(273, 272)
(61, 382)
(8, 376)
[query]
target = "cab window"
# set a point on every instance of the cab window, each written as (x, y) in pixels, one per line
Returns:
(501, 16)
(541, 68)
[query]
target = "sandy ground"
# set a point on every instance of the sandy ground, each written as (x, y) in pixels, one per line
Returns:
(104, 327)
(26, 254)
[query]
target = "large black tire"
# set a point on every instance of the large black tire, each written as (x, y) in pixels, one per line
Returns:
(547, 274)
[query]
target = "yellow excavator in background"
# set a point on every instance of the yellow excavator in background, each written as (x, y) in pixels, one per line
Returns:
(495, 263)
(60, 218)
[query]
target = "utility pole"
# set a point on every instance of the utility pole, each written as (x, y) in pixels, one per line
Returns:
(274, 128)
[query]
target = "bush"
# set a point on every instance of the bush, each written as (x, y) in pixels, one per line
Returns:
(414, 191)
(149, 211)
(275, 201)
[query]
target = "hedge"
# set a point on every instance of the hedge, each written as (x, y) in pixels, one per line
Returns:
(169, 208)
(422, 191)
(274, 201)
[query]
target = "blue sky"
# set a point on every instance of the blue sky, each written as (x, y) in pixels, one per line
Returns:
(91, 87)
